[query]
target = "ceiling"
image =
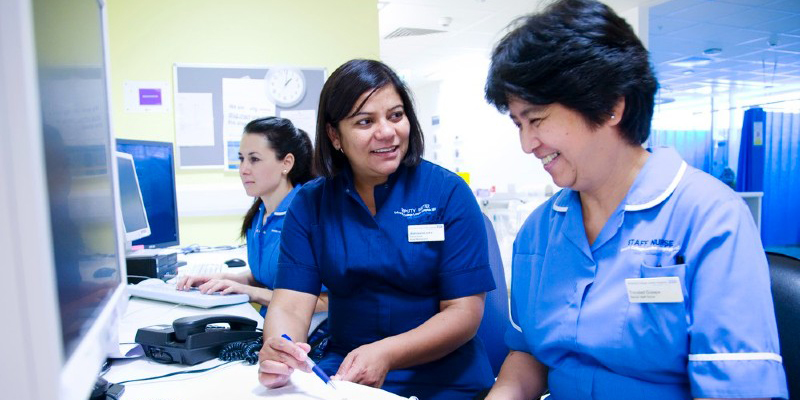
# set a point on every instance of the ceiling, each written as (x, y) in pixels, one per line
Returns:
(758, 41)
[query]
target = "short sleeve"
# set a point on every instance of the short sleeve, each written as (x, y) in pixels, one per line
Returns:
(464, 260)
(734, 349)
(297, 268)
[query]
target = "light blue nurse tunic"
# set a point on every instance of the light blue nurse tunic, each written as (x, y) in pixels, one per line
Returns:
(263, 243)
(570, 306)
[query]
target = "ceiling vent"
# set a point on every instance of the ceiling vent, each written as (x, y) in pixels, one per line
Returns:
(406, 32)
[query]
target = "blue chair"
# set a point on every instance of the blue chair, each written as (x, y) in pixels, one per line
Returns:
(495, 312)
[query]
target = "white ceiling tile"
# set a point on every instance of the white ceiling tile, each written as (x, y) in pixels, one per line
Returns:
(670, 7)
(792, 6)
(782, 25)
(706, 9)
(666, 25)
(752, 16)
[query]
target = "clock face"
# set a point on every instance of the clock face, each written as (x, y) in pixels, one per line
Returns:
(285, 86)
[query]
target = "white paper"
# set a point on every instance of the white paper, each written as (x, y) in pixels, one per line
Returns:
(194, 120)
(240, 381)
(303, 119)
(243, 100)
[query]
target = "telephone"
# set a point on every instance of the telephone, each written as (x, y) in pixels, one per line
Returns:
(192, 340)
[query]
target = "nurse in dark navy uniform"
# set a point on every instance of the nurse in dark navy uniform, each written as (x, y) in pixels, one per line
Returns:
(398, 241)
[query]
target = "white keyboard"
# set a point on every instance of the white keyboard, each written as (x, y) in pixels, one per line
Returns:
(156, 289)
(199, 269)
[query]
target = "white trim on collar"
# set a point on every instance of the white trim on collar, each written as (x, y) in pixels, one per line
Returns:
(562, 197)
(278, 213)
(668, 191)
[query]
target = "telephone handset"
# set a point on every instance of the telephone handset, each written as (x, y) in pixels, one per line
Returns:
(192, 340)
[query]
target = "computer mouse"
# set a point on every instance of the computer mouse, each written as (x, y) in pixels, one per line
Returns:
(235, 262)
(152, 282)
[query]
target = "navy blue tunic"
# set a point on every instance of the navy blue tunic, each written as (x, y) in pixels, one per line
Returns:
(380, 284)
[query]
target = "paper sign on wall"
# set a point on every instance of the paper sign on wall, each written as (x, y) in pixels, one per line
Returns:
(194, 119)
(303, 119)
(243, 100)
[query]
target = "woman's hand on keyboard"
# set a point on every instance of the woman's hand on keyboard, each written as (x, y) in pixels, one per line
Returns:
(187, 282)
(224, 286)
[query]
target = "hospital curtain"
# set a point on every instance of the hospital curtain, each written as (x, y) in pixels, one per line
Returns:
(694, 146)
(750, 172)
(780, 217)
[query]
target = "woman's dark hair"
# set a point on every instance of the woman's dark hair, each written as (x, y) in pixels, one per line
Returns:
(283, 138)
(338, 102)
(582, 55)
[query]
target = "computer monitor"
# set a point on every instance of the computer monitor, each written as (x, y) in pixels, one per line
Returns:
(134, 216)
(62, 247)
(155, 168)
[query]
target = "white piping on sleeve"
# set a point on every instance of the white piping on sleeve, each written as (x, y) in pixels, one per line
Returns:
(559, 208)
(663, 195)
(736, 357)
(510, 318)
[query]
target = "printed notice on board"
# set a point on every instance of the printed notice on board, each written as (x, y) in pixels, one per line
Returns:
(243, 100)
(303, 119)
(194, 119)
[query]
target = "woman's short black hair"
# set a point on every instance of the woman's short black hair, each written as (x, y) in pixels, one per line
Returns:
(582, 55)
(338, 101)
(283, 138)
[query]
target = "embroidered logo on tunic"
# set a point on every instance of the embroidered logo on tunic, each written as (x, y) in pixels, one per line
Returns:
(651, 245)
(413, 212)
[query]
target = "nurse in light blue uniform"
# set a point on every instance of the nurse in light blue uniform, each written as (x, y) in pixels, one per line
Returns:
(275, 160)
(398, 241)
(644, 278)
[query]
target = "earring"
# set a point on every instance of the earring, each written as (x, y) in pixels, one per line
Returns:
(613, 116)
(285, 172)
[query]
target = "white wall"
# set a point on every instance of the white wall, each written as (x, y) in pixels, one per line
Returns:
(474, 137)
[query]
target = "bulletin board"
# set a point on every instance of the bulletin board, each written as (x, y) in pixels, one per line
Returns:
(207, 130)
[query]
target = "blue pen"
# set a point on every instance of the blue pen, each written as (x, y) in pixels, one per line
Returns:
(314, 368)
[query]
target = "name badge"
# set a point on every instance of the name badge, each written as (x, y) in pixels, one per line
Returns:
(654, 290)
(426, 233)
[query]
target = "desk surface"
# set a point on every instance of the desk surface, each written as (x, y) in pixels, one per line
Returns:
(236, 380)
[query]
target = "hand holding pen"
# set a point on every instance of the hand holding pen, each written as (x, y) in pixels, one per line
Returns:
(278, 358)
(314, 368)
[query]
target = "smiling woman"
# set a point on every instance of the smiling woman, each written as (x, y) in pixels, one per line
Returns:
(643, 277)
(398, 241)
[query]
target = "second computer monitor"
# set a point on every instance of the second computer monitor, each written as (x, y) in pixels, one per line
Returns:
(134, 216)
(156, 171)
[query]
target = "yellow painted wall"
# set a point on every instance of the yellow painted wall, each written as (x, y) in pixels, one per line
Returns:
(146, 37)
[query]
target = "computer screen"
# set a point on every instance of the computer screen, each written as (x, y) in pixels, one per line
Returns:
(63, 252)
(134, 216)
(155, 168)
